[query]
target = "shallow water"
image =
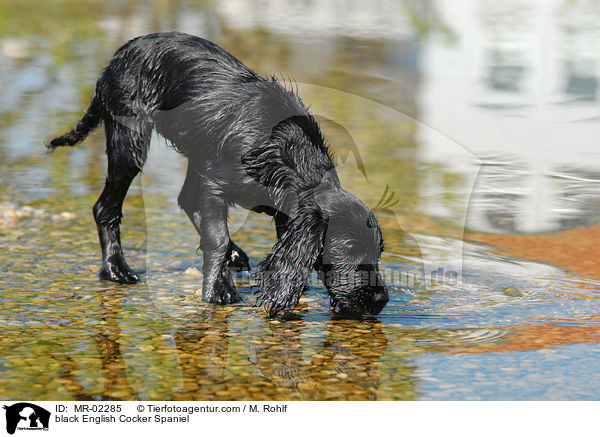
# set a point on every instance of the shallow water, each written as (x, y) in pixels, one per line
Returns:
(481, 120)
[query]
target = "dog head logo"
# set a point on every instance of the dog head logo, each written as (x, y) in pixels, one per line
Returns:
(26, 416)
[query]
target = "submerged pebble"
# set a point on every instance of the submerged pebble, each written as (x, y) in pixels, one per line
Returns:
(63, 216)
(11, 214)
(192, 272)
(15, 48)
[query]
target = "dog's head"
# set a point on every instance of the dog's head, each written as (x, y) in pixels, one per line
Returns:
(337, 235)
(349, 262)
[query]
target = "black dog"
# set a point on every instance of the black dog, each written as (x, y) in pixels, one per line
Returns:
(249, 141)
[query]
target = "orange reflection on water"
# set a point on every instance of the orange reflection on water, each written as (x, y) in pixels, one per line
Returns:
(575, 250)
(534, 337)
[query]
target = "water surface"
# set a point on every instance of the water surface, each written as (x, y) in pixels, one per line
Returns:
(481, 118)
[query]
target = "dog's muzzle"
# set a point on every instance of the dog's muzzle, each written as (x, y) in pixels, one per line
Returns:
(379, 301)
(370, 300)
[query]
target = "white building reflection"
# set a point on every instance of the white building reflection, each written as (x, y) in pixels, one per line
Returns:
(519, 90)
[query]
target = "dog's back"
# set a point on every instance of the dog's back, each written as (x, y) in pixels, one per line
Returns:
(198, 96)
(163, 71)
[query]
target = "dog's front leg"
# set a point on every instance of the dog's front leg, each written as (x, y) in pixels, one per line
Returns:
(190, 198)
(217, 286)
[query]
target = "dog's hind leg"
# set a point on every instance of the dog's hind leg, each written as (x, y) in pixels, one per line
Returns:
(208, 213)
(127, 150)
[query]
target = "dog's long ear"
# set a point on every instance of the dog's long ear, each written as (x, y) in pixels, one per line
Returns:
(285, 270)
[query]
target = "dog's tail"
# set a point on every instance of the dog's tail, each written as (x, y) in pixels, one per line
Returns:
(91, 120)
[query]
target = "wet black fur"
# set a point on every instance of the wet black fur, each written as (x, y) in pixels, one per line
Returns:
(249, 141)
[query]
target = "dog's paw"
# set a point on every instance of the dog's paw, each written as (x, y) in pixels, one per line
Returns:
(222, 294)
(237, 260)
(118, 271)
